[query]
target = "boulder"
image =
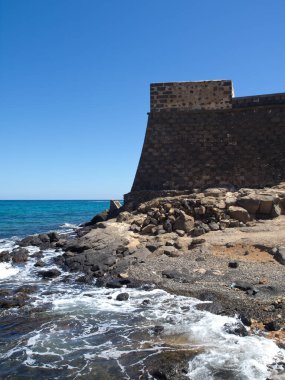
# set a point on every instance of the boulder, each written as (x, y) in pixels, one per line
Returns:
(250, 203)
(51, 273)
(239, 214)
(20, 255)
(184, 222)
(33, 240)
(101, 217)
(5, 256)
(122, 297)
(266, 204)
(53, 237)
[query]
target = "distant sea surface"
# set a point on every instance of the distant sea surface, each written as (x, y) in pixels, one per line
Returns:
(21, 218)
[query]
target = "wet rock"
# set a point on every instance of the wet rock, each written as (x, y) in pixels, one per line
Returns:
(53, 237)
(19, 300)
(169, 365)
(39, 263)
(44, 239)
(239, 214)
(51, 273)
(20, 255)
(245, 320)
(5, 256)
(145, 302)
(184, 222)
(38, 254)
(122, 297)
(85, 279)
(157, 330)
(27, 289)
(236, 329)
(33, 240)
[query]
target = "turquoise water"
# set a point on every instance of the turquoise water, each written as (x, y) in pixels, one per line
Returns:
(21, 218)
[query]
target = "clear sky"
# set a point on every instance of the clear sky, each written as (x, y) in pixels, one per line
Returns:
(75, 75)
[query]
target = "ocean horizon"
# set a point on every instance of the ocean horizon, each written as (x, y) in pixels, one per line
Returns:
(25, 217)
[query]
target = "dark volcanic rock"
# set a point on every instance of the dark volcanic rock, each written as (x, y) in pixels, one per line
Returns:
(39, 263)
(178, 276)
(122, 297)
(77, 245)
(18, 300)
(20, 255)
(51, 273)
(272, 326)
(90, 260)
(157, 330)
(41, 240)
(233, 264)
(53, 237)
(30, 240)
(5, 256)
(169, 365)
(101, 217)
(236, 329)
(27, 289)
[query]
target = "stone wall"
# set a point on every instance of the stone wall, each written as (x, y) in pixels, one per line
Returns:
(191, 95)
(242, 146)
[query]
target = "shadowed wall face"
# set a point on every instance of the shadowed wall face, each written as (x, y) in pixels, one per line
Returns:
(235, 143)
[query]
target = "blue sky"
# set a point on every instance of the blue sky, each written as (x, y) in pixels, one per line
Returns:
(75, 75)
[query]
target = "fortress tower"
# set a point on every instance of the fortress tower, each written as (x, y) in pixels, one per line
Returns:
(199, 135)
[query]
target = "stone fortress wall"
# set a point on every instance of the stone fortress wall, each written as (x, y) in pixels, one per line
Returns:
(198, 135)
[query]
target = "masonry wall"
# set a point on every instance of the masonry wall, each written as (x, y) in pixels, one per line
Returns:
(186, 149)
(191, 95)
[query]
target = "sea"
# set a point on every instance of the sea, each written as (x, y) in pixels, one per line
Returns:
(70, 330)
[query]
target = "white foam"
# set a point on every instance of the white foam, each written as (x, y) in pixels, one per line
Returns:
(68, 225)
(7, 270)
